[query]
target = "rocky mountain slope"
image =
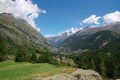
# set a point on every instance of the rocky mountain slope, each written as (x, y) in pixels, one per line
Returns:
(92, 37)
(94, 41)
(17, 34)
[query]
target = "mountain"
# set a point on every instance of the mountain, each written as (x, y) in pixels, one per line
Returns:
(115, 27)
(17, 34)
(94, 41)
(56, 40)
(92, 37)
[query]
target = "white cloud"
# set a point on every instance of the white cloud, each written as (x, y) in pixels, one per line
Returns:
(112, 17)
(23, 9)
(93, 19)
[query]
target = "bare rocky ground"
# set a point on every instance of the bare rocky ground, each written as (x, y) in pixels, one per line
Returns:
(79, 74)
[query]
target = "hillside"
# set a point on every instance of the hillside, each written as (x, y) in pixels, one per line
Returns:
(113, 46)
(92, 42)
(17, 34)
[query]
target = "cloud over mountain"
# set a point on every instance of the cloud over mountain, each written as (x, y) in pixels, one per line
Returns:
(23, 9)
(112, 17)
(93, 19)
(108, 18)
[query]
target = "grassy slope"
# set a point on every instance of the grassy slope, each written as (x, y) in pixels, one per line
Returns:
(10, 70)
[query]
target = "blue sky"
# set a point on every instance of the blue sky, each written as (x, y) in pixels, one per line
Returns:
(64, 14)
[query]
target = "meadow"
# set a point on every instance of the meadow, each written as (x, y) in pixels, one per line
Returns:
(10, 70)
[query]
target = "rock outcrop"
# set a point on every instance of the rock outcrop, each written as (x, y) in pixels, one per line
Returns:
(79, 74)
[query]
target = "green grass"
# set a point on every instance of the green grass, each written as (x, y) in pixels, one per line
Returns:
(10, 70)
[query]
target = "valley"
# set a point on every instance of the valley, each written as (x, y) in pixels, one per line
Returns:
(94, 48)
(87, 52)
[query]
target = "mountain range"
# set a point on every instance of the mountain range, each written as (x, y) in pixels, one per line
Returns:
(88, 38)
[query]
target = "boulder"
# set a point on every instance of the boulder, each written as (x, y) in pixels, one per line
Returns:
(81, 74)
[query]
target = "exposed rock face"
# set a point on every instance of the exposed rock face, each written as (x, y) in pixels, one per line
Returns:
(79, 74)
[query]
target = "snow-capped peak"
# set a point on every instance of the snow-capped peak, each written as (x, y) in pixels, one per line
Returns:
(67, 32)
(70, 31)
(47, 36)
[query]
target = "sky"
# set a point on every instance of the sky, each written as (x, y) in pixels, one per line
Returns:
(54, 16)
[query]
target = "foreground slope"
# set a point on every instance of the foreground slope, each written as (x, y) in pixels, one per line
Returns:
(10, 70)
